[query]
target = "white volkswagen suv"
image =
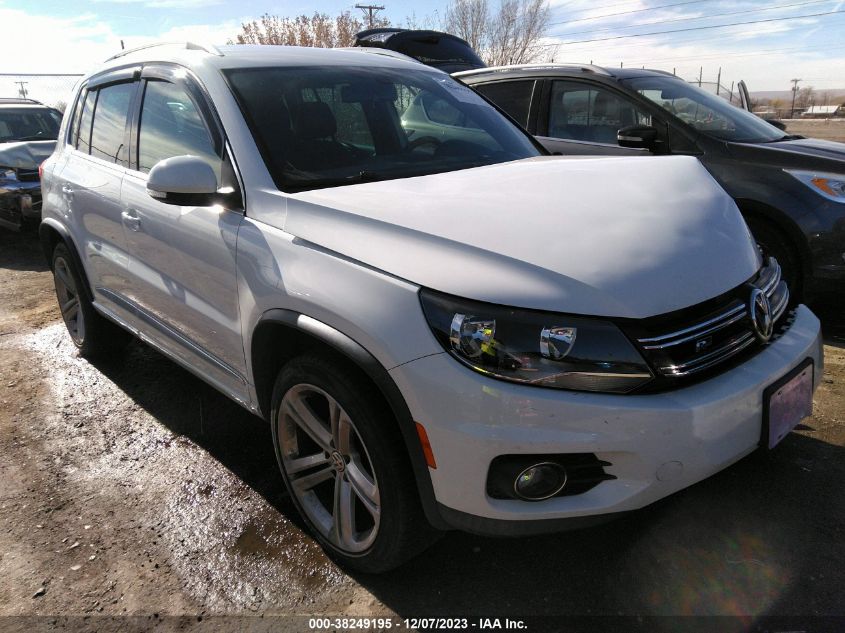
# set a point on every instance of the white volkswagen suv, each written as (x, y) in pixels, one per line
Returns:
(445, 327)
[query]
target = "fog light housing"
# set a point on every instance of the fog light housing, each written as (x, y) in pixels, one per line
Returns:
(512, 477)
(540, 481)
(26, 203)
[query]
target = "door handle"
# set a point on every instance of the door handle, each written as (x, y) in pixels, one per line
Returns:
(131, 222)
(67, 189)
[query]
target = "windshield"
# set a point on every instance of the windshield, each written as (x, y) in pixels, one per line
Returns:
(705, 112)
(330, 126)
(28, 124)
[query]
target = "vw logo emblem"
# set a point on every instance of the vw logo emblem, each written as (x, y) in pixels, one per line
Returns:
(761, 315)
(337, 461)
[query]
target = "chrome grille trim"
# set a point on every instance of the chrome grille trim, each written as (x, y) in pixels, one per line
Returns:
(722, 321)
(708, 360)
(682, 363)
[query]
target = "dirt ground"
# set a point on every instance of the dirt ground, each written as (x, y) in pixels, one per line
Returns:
(134, 489)
(828, 129)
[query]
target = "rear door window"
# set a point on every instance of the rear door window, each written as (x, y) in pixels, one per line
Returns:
(108, 133)
(83, 138)
(514, 97)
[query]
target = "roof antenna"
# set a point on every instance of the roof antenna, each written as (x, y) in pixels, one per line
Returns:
(122, 47)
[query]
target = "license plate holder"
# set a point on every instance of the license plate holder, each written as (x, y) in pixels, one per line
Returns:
(787, 402)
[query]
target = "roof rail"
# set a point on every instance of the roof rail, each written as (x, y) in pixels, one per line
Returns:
(19, 100)
(380, 51)
(190, 46)
(587, 68)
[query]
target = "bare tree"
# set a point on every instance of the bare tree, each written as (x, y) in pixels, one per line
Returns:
(507, 35)
(806, 97)
(318, 30)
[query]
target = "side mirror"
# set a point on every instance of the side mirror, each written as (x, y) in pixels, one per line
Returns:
(183, 180)
(637, 137)
(777, 123)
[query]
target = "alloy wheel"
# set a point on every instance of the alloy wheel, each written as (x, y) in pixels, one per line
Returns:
(328, 468)
(69, 300)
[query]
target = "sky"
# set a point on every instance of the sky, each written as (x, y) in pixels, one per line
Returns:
(799, 39)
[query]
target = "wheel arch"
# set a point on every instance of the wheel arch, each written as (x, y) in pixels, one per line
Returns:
(781, 222)
(50, 233)
(281, 335)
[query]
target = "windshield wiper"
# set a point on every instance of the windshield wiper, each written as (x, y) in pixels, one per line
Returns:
(36, 137)
(364, 175)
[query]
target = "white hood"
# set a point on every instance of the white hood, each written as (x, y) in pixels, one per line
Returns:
(25, 154)
(621, 236)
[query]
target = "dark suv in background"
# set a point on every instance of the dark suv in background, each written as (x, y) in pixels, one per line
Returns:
(443, 51)
(791, 190)
(28, 131)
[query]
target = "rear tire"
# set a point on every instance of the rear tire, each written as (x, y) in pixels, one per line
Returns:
(345, 466)
(92, 334)
(775, 243)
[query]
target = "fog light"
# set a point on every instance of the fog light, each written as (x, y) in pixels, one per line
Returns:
(540, 481)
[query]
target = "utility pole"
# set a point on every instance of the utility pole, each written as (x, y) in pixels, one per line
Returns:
(719, 81)
(794, 93)
(370, 10)
(22, 90)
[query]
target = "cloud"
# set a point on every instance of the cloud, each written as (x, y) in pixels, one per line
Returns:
(167, 4)
(766, 54)
(46, 44)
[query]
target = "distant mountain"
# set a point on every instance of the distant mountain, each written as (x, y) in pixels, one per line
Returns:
(786, 95)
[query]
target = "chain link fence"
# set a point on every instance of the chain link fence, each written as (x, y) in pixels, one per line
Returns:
(52, 90)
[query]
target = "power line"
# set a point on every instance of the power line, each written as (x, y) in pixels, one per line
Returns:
(610, 15)
(693, 28)
(690, 19)
(763, 53)
(370, 11)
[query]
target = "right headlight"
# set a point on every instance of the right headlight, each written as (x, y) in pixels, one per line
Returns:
(537, 348)
(830, 186)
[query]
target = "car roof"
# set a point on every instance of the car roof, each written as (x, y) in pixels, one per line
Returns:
(561, 69)
(198, 56)
(17, 103)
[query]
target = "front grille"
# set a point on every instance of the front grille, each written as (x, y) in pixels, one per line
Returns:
(693, 341)
(28, 175)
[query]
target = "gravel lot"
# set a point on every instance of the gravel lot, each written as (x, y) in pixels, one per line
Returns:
(133, 488)
(828, 129)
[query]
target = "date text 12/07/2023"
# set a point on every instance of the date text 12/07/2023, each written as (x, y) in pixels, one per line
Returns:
(351, 624)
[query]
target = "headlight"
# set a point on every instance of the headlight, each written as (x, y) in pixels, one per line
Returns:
(831, 186)
(8, 174)
(538, 348)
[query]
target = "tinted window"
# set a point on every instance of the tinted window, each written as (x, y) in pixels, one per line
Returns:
(329, 126)
(77, 114)
(83, 141)
(514, 97)
(442, 111)
(587, 113)
(172, 126)
(705, 112)
(446, 53)
(107, 135)
(28, 124)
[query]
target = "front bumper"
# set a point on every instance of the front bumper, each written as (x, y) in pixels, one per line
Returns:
(20, 201)
(657, 443)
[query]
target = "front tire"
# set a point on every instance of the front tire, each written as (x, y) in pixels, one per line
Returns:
(344, 465)
(92, 334)
(775, 244)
